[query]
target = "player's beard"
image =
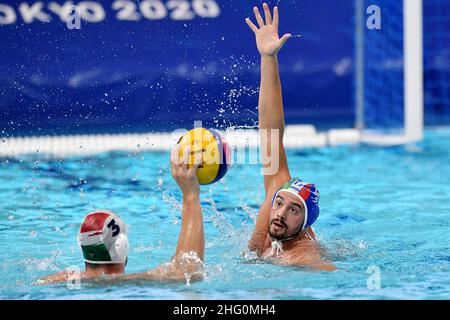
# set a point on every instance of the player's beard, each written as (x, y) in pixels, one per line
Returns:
(280, 234)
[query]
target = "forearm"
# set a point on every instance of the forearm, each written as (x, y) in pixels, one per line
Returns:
(271, 124)
(271, 115)
(261, 231)
(169, 272)
(191, 238)
(54, 278)
(318, 265)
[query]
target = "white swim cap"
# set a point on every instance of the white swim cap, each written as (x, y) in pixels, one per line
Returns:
(103, 238)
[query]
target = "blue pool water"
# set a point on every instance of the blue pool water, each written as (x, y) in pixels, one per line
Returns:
(385, 208)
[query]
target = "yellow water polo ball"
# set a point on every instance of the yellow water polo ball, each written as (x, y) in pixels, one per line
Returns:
(215, 152)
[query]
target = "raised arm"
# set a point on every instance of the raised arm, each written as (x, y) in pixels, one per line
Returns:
(271, 114)
(187, 263)
(192, 238)
(188, 259)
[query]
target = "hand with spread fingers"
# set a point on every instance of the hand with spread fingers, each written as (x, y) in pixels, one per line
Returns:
(267, 39)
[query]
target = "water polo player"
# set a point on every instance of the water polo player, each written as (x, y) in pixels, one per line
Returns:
(104, 243)
(283, 230)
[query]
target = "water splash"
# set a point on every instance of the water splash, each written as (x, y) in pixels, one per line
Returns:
(234, 102)
(45, 264)
(164, 189)
(143, 248)
(251, 212)
(342, 249)
(218, 219)
(191, 260)
(174, 204)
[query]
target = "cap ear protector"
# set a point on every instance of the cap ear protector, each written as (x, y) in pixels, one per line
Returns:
(120, 248)
(103, 238)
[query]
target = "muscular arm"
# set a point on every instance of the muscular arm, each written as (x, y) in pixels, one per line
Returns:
(271, 125)
(271, 117)
(188, 259)
(187, 263)
(54, 278)
(310, 255)
(314, 262)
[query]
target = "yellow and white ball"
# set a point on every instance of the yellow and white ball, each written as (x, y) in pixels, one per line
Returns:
(215, 152)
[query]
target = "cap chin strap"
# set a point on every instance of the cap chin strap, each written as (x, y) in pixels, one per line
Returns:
(277, 244)
(277, 247)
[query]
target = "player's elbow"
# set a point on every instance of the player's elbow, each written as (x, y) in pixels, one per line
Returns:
(328, 267)
(188, 275)
(187, 268)
(323, 266)
(54, 278)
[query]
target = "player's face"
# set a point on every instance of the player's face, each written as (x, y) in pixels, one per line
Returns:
(286, 216)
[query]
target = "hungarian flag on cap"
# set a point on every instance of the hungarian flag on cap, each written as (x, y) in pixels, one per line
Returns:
(103, 238)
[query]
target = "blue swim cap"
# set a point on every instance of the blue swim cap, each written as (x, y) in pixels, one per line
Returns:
(308, 195)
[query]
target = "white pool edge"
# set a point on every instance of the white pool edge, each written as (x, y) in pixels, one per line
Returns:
(296, 137)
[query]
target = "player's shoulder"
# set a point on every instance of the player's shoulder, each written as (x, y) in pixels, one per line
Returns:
(306, 247)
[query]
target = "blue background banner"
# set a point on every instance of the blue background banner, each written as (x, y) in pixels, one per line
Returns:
(137, 66)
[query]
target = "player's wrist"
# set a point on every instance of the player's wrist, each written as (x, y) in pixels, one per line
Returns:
(191, 195)
(269, 56)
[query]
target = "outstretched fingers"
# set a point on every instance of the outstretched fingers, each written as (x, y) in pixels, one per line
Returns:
(251, 25)
(276, 18)
(269, 20)
(285, 38)
(267, 14)
(258, 17)
(197, 162)
(186, 158)
(175, 160)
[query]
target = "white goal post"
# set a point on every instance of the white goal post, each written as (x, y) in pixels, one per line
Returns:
(412, 71)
